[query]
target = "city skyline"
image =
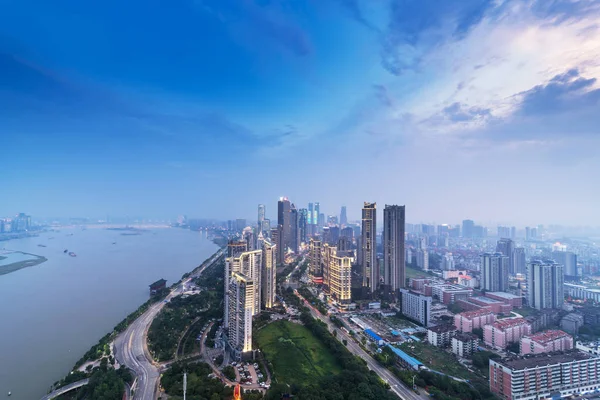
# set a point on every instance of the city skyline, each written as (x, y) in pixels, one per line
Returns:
(148, 119)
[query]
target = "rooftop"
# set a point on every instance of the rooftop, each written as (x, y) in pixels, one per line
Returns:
(545, 337)
(442, 328)
(504, 295)
(509, 323)
(476, 313)
(486, 300)
(465, 337)
(540, 360)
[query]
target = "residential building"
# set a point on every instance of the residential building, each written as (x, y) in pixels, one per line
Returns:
(506, 298)
(541, 376)
(571, 323)
(269, 273)
(303, 225)
(499, 334)
(469, 320)
(568, 260)
(464, 344)
(507, 247)
(519, 260)
(337, 275)
(546, 342)
(441, 335)
(545, 285)
(369, 247)
(242, 296)
(284, 226)
(494, 272)
(447, 262)
(393, 247)
(415, 306)
(315, 259)
(423, 259)
(249, 264)
(467, 228)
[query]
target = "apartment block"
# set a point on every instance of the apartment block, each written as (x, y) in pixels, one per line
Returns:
(501, 333)
(469, 320)
(546, 342)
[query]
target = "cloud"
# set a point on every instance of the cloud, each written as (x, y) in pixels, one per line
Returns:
(459, 113)
(383, 95)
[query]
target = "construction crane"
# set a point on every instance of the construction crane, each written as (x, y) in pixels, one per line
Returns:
(237, 392)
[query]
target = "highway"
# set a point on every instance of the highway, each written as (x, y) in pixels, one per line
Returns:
(396, 385)
(131, 348)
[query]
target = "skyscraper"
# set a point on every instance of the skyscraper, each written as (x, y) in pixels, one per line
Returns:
(261, 215)
(294, 231)
(311, 212)
(337, 274)
(507, 247)
(568, 260)
(303, 225)
(240, 224)
(545, 287)
(369, 247)
(519, 260)
(242, 297)
(494, 272)
(467, 228)
(343, 217)
(316, 214)
(248, 263)
(284, 227)
(269, 270)
(393, 247)
(315, 258)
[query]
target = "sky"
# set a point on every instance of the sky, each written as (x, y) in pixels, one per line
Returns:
(488, 110)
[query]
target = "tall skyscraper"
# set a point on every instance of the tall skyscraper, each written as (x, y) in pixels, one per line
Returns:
(394, 276)
(242, 296)
(315, 258)
(240, 224)
(507, 247)
(337, 274)
(294, 231)
(519, 260)
(467, 228)
(369, 247)
(316, 214)
(303, 225)
(568, 260)
(321, 220)
(261, 215)
(248, 263)
(311, 213)
(343, 217)
(284, 226)
(494, 272)
(266, 227)
(545, 287)
(269, 270)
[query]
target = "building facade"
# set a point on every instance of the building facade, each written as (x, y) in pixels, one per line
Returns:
(469, 320)
(242, 298)
(415, 306)
(464, 344)
(545, 288)
(393, 247)
(369, 247)
(269, 273)
(441, 335)
(546, 342)
(499, 334)
(494, 272)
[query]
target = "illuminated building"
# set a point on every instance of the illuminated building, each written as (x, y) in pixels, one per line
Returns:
(269, 269)
(242, 295)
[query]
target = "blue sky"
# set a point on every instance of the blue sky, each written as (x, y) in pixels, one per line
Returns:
(480, 109)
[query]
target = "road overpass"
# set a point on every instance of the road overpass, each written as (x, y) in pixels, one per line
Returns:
(65, 389)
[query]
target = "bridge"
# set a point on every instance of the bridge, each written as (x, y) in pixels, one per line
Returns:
(65, 389)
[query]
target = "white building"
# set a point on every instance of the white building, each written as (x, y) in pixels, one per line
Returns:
(242, 295)
(441, 335)
(545, 285)
(464, 344)
(416, 306)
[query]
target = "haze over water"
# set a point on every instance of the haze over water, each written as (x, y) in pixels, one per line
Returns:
(51, 314)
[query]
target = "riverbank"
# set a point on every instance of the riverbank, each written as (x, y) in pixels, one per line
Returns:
(17, 265)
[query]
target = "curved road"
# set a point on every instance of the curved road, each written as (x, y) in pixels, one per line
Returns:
(66, 389)
(396, 385)
(131, 347)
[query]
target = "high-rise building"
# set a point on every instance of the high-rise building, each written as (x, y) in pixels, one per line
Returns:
(240, 224)
(513, 232)
(568, 260)
(269, 270)
(242, 296)
(503, 232)
(321, 220)
(276, 239)
(236, 248)
(316, 214)
(545, 287)
(261, 215)
(294, 231)
(494, 272)
(310, 216)
(343, 217)
(337, 274)
(447, 263)
(369, 247)
(507, 247)
(347, 232)
(415, 306)
(284, 224)
(266, 227)
(519, 260)
(248, 263)
(393, 247)
(530, 233)
(303, 225)
(423, 259)
(315, 258)
(467, 228)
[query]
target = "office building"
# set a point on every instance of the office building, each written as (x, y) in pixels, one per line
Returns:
(284, 226)
(441, 335)
(545, 285)
(337, 274)
(316, 214)
(242, 296)
(269, 273)
(499, 334)
(310, 219)
(369, 247)
(464, 344)
(303, 225)
(568, 260)
(315, 259)
(469, 320)
(494, 272)
(343, 217)
(294, 229)
(467, 228)
(393, 247)
(546, 342)
(542, 376)
(507, 247)
(415, 306)
(519, 261)
(261, 215)
(321, 220)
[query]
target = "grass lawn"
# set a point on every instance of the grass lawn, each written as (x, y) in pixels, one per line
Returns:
(416, 273)
(437, 359)
(296, 354)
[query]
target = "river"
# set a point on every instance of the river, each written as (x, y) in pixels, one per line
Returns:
(52, 313)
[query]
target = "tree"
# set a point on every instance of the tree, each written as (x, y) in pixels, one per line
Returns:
(344, 342)
(229, 373)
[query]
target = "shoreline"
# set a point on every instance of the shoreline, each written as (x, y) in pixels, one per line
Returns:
(13, 267)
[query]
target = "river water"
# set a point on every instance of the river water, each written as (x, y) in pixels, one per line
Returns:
(52, 313)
